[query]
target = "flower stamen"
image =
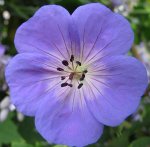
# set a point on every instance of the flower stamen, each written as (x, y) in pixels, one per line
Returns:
(63, 77)
(72, 58)
(65, 62)
(70, 85)
(64, 84)
(78, 63)
(74, 73)
(60, 69)
(80, 85)
(82, 77)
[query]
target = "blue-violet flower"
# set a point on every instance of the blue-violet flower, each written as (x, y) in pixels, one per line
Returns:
(72, 72)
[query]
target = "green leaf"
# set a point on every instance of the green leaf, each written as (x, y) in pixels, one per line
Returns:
(28, 132)
(59, 146)
(22, 11)
(121, 141)
(20, 144)
(142, 142)
(8, 132)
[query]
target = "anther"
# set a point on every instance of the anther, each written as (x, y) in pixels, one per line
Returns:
(63, 77)
(65, 62)
(72, 58)
(85, 71)
(79, 63)
(80, 85)
(64, 84)
(70, 85)
(60, 69)
(82, 77)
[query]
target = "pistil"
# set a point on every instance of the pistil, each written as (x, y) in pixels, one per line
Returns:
(71, 76)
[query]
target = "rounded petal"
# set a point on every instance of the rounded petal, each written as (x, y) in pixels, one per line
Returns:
(48, 31)
(115, 88)
(58, 122)
(29, 77)
(102, 32)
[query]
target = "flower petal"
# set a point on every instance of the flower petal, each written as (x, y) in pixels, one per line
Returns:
(102, 32)
(61, 123)
(115, 89)
(29, 77)
(48, 31)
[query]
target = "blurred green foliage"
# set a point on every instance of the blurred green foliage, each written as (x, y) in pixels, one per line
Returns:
(131, 133)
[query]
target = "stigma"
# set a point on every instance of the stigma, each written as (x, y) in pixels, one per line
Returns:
(74, 73)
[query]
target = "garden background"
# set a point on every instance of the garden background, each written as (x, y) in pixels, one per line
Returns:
(17, 130)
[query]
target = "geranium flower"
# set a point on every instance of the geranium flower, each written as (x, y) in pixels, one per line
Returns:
(72, 73)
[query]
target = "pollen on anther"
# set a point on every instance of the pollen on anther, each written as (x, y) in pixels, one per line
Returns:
(72, 58)
(82, 77)
(80, 85)
(63, 77)
(79, 63)
(65, 62)
(70, 85)
(60, 69)
(85, 71)
(64, 84)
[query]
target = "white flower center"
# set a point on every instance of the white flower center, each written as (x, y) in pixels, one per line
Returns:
(75, 71)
